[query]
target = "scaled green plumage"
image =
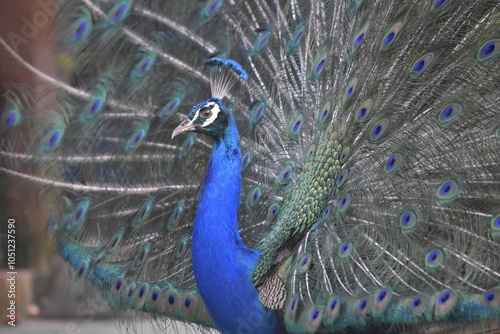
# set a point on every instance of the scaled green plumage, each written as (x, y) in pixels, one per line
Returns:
(370, 150)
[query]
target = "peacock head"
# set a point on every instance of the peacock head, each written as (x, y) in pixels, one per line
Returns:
(210, 117)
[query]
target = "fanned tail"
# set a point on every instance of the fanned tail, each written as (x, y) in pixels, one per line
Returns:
(370, 140)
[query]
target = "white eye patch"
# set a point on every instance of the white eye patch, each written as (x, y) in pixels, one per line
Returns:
(215, 112)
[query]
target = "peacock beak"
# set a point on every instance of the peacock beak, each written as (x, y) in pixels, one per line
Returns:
(186, 125)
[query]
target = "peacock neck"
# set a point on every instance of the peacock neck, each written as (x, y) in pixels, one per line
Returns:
(217, 212)
(222, 264)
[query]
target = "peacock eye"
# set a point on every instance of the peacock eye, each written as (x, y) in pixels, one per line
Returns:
(205, 113)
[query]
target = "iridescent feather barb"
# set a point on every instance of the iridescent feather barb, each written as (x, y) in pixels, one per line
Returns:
(351, 184)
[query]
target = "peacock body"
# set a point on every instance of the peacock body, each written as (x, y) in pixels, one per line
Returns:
(351, 183)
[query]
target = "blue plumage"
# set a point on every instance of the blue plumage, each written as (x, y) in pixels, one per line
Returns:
(350, 184)
(222, 264)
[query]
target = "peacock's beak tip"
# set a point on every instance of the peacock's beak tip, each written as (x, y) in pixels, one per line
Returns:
(185, 126)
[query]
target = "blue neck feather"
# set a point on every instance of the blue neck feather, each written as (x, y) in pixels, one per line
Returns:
(222, 264)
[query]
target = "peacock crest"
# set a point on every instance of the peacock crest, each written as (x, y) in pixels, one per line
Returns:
(341, 174)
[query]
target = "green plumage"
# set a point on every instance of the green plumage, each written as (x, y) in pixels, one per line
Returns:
(370, 145)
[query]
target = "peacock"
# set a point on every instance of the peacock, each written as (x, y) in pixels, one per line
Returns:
(286, 166)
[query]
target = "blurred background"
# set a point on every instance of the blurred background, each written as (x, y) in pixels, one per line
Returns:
(46, 300)
(43, 280)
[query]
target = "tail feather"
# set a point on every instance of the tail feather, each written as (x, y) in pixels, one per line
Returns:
(370, 145)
